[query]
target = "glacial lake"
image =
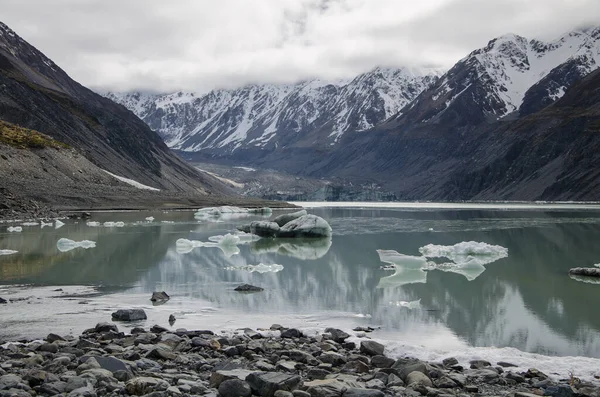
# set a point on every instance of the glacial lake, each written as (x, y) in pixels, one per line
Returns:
(514, 299)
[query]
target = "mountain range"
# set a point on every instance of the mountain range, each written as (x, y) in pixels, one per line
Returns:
(64, 146)
(417, 133)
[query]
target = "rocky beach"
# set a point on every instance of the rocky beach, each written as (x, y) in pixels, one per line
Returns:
(275, 361)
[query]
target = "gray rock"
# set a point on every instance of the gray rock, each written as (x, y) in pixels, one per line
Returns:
(300, 356)
(267, 383)
(48, 347)
(129, 315)
(144, 385)
(218, 377)
(160, 296)
(332, 358)
(85, 391)
(35, 377)
(559, 391)
(506, 365)
(248, 288)
(300, 393)
(305, 226)
(371, 348)
(354, 392)
(283, 393)
(375, 384)
(285, 218)
(478, 364)
(394, 380)
(418, 377)
(234, 388)
(382, 361)
(337, 335)
(105, 327)
(3, 301)
(109, 363)
(356, 366)
(514, 376)
(53, 338)
(325, 388)
(317, 373)
(291, 333)
(449, 362)
(444, 383)
(287, 366)
(405, 367)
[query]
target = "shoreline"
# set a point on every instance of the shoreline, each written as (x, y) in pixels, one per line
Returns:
(104, 360)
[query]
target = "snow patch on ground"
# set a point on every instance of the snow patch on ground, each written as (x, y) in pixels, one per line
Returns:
(132, 182)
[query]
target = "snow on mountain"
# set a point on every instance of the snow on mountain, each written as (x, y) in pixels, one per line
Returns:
(495, 81)
(310, 113)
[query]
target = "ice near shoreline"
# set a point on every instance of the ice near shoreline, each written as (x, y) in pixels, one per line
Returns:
(8, 252)
(14, 229)
(260, 268)
(113, 224)
(65, 244)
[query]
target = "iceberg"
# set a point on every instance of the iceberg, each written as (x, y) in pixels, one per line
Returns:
(260, 268)
(306, 226)
(58, 224)
(29, 223)
(15, 229)
(466, 252)
(8, 252)
(149, 218)
(65, 244)
(184, 246)
(44, 224)
(93, 224)
(471, 270)
(260, 211)
(408, 269)
(114, 224)
(285, 218)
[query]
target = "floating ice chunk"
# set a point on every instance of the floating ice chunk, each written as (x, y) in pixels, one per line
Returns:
(301, 248)
(228, 239)
(466, 252)
(260, 268)
(184, 246)
(114, 224)
(58, 224)
(411, 305)
(585, 279)
(8, 252)
(64, 244)
(260, 211)
(471, 270)
(30, 223)
(93, 224)
(226, 212)
(15, 229)
(246, 237)
(149, 218)
(408, 269)
(44, 224)
(168, 221)
(597, 265)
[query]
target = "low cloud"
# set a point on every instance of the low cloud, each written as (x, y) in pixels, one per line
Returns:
(198, 45)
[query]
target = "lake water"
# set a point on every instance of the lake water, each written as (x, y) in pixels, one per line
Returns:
(514, 299)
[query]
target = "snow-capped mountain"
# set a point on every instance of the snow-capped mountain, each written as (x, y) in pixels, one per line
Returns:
(511, 74)
(313, 113)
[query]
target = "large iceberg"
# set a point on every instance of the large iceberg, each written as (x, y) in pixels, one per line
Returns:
(466, 252)
(301, 226)
(65, 244)
(285, 218)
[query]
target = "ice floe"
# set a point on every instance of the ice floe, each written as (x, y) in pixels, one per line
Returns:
(411, 305)
(14, 229)
(93, 224)
(149, 218)
(227, 244)
(58, 224)
(8, 252)
(260, 268)
(114, 224)
(228, 212)
(466, 258)
(65, 244)
(30, 223)
(44, 224)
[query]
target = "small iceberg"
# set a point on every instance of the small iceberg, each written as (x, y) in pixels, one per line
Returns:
(590, 275)
(58, 224)
(226, 243)
(14, 229)
(93, 224)
(408, 269)
(301, 248)
(65, 244)
(149, 218)
(410, 305)
(8, 252)
(29, 223)
(466, 252)
(260, 268)
(44, 224)
(114, 224)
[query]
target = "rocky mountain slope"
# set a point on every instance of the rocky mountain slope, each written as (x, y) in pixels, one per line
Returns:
(104, 153)
(265, 117)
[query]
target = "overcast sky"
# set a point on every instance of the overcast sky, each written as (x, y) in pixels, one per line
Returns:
(197, 45)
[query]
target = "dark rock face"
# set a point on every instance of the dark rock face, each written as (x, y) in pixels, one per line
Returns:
(129, 315)
(161, 296)
(248, 288)
(371, 348)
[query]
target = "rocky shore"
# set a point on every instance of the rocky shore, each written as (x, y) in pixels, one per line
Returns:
(275, 362)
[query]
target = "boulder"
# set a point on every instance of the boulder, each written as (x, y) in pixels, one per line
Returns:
(161, 296)
(354, 392)
(235, 388)
(267, 383)
(418, 377)
(248, 288)
(337, 335)
(144, 385)
(371, 348)
(285, 218)
(129, 315)
(305, 226)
